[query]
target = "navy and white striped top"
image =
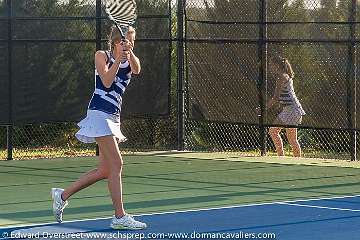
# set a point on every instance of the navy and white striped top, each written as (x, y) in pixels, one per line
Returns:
(288, 96)
(109, 100)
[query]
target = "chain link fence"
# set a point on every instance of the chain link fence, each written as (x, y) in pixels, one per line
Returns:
(69, 30)
(230, 43)
(225, 42)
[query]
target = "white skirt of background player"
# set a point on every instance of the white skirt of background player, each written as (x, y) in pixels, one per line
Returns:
(291, 115)
(99, 124)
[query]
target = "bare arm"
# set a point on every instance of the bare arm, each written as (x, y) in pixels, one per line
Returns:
(107, 75)
(279, 85)
(134, 63)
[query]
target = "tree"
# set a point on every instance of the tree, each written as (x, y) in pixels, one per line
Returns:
(55, 80)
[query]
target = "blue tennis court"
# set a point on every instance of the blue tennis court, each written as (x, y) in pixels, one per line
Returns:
(323, 218)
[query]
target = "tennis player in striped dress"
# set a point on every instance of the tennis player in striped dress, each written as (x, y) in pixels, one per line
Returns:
(292, 110)
(102, 125)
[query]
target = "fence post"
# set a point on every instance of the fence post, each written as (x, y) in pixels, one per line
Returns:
(9, 128)
(351, 81)
(262, 85)
(180, 76)
(98, 24)
(9, 142)
(98, 39)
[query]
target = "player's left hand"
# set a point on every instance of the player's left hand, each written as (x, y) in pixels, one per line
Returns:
(127, 49)
(127, 45)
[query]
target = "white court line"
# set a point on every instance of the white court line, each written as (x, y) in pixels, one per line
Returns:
(190, 210)
(247, 205)
(321, 207)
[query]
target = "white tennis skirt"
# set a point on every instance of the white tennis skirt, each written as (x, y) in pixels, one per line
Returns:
(291, 115)
(99, 124)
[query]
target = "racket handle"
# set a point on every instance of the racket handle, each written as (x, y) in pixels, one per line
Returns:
(258, 111)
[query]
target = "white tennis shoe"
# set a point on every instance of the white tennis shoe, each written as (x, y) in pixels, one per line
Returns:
(58, 203)
(126, 222)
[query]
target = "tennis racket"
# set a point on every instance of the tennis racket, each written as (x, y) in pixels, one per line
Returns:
(122, 13)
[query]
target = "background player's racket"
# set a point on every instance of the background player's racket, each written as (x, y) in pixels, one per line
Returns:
(122, 13)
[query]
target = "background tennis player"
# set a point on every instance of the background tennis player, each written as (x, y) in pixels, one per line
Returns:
(292, 111)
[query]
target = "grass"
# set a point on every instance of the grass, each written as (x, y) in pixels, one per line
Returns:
(52, 152)
(47, 152)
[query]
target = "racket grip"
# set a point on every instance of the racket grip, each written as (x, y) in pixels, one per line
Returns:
(258, 111)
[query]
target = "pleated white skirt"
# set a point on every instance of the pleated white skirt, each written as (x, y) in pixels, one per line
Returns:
(291, 115)
(99, 124)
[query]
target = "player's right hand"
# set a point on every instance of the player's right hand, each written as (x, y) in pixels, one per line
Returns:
(119, 50)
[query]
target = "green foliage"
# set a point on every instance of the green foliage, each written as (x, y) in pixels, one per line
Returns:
(3, 8)
(58, 70)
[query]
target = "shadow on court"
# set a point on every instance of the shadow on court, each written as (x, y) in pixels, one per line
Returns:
(154, 183)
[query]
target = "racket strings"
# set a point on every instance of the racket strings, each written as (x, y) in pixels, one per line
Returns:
(123, 12)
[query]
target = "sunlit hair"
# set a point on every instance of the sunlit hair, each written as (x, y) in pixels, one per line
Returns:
(284, 65)
(115, 36)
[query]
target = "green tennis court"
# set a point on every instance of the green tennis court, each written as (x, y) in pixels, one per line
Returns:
(170, 181)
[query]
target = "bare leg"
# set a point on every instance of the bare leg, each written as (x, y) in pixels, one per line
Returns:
(110, 149)
(88, 178)
(275, 136)
(292, 137)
